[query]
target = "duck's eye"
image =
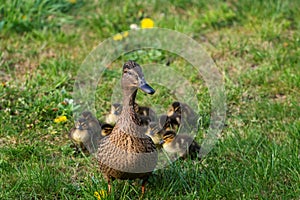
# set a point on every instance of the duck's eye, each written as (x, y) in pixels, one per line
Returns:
(129, 73)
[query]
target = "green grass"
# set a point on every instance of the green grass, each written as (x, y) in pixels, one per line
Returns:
(255, 45)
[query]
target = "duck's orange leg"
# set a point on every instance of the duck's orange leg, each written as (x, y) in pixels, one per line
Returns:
(109, 185)
(143, 186)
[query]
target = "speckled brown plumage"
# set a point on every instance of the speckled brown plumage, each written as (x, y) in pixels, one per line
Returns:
(127, 153)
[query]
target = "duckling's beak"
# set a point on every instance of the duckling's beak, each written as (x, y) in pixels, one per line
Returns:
(145, 87)
(151, 133)
(116, 113)
(80, 127)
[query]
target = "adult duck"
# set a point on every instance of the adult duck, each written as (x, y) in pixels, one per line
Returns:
(128, 153)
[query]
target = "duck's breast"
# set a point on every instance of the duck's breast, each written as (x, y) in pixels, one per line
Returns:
(127, 153)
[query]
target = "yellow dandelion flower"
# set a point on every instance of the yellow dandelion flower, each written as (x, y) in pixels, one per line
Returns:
(24, 17)
(72, 1)
(60, 119)
(117, 37)
(97, 195)
(125, 34)
(147, 23)
(102, 194)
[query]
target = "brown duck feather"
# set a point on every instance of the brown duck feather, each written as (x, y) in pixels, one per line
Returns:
(127, 153)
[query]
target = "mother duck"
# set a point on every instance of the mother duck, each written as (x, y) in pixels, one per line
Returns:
(128, 153)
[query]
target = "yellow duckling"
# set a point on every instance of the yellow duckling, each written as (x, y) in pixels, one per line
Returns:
(182, 112)
(154, 132)
(86, 132)
(169, 122)
(80, 134)
(114, 114)
(145, 111)
(183, 145)
(106, 129)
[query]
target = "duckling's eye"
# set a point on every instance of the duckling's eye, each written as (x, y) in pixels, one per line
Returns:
(84, 124)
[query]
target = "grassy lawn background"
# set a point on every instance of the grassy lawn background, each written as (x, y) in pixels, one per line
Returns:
(255, 45)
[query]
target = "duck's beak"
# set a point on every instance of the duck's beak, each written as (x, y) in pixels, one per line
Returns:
(145, 87)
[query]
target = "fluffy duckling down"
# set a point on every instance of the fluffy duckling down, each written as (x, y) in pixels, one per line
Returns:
(182, 145)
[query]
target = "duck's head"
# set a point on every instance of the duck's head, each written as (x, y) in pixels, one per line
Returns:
(133, 78)
(167, 137)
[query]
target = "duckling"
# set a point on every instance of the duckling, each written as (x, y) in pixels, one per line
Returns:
(114, 114)
(169, 122)
(174, 108)
(89, 116)
(145, 120)
(93, 122)
(127, 153)
(145, 114)
(106, 129)
(154, 132)
(86, 132)
(80, 134)
(183, 145)
(182, 113)
(156, 129)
